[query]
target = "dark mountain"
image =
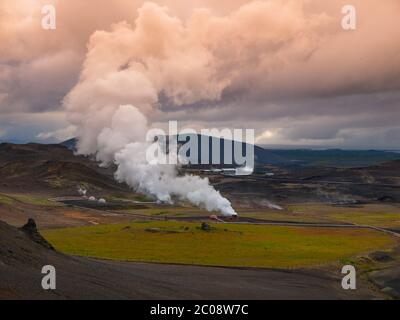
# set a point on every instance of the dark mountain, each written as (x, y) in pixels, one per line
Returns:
(51, 167)
(308, 157)
(70, 144)
(262, 156)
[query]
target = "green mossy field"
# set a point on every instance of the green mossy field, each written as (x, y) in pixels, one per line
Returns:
(233, 245)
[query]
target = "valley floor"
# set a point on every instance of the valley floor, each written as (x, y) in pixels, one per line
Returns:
(83, 278)
(88, 278)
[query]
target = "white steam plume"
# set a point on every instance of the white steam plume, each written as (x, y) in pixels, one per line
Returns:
(82, 191)
(125, 144)
(129, 67)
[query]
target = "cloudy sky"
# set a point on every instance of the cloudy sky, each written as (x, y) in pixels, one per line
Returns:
(285, 68)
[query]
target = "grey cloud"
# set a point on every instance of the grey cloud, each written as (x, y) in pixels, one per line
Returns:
(314, 83)
(38, 85)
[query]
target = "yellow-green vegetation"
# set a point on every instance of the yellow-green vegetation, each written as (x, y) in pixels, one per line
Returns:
(6, 200)
(378, 215)
(132, 197)
(225, 245)
(284, 215)
(57, 182)
(173, 211)
(32, 199)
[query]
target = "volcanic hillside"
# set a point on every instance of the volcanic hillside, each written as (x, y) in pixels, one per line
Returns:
(51, 167)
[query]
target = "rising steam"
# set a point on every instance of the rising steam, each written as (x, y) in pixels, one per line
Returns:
(125, 144)
(118, 90)
(129, 68)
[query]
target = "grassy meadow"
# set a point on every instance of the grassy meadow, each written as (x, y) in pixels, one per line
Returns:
(378, 215)
(234, 245)
(32, 199)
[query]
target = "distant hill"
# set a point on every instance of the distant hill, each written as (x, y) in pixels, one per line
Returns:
(51, 167)
(70, 144)
(307, 157)
(262, 156)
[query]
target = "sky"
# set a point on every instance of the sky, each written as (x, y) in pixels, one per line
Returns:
(285, 68)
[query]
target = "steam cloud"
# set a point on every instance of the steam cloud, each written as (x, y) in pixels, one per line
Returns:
(129, 68)
(291, 64)
(82, 191)
(124, 73)
(124, 144)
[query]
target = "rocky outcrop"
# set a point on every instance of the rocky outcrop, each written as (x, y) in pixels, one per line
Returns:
(30, 229)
